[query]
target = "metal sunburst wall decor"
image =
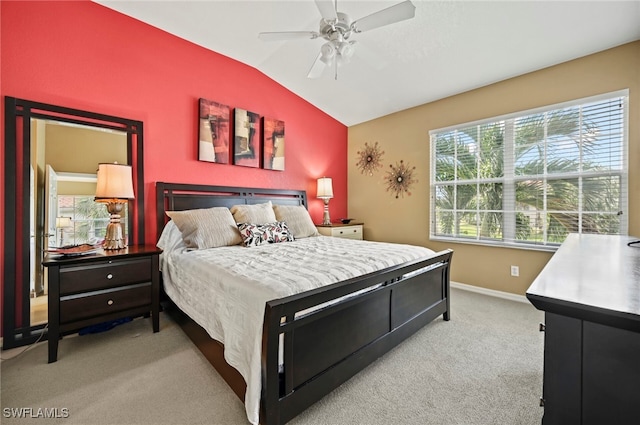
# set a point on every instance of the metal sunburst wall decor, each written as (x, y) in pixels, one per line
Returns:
(400, 179)
(370, 159)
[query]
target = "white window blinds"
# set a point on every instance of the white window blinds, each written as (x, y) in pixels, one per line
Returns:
(530, 179)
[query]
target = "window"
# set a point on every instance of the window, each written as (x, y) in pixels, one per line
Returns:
(531, 178)
(89, 219)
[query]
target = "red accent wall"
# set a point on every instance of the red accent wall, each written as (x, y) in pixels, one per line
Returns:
(82, 55)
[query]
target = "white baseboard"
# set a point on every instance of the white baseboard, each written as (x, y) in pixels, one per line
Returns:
(490, 292)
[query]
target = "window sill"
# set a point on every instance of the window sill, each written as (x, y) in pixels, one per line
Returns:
(487, 243)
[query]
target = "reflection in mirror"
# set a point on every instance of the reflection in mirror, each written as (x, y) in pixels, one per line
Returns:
(64, 157)
(51, 155)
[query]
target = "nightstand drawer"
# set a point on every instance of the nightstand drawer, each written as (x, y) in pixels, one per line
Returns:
(350, 232)
(82, 306)
(105, 274)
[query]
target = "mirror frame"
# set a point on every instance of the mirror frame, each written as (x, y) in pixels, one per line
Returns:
(17, 142)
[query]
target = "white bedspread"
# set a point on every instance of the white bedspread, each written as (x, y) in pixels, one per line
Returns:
(225, 289)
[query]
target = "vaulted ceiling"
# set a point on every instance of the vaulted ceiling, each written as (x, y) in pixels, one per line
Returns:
(449, 47)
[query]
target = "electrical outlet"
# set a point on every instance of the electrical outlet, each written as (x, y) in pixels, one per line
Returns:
(515, 271)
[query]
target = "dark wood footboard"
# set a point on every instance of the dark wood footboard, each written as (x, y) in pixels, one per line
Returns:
(324, 348)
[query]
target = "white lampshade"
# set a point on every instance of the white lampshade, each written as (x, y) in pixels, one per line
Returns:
(62, 222)
(114, 182)
(325, 188)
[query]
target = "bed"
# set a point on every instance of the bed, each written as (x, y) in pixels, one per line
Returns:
(310, 340)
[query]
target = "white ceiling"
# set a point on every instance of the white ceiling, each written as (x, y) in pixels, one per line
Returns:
(448, 48)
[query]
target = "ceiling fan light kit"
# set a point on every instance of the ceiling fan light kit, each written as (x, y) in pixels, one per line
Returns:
(336, 27)
(327, 53)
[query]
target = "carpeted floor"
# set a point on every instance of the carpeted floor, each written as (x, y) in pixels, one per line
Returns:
(482, 367)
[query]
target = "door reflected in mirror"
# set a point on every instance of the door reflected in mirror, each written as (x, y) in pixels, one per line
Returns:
(64, 160)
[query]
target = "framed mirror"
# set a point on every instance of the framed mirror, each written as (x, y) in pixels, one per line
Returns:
(51, 157)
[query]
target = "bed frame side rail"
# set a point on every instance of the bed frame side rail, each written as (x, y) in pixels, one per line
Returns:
(326, 347)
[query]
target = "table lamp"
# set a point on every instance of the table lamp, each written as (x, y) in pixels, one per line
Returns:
(114, 188)
(325, 192)
(62, 223)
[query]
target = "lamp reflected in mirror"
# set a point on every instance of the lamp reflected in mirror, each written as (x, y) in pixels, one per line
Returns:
(61, 224)
(114, 188)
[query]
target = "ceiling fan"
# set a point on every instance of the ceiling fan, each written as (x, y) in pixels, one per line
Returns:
(337, 28)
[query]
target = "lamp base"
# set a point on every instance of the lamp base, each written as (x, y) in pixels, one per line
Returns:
(114, 237)
(326, 220)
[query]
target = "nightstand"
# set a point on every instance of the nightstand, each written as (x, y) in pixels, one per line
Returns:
(100, 287)
(349, 231)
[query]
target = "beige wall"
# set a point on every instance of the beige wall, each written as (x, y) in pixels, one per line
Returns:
(76, 188)
(405, 136)
(80, 150)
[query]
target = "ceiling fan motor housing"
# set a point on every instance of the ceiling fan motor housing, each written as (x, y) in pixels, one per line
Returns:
(338, 29)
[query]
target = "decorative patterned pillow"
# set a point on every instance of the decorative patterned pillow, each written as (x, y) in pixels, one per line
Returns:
(260, 234)
(257, 213)
(297, 218)
(206, 227)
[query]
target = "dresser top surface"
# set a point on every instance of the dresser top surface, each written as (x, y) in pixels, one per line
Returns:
(593, 271)
(101, 255)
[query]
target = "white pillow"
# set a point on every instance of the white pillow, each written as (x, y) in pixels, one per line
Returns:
(171, 238)
(256, 214)
(297, 218)
(206, 227)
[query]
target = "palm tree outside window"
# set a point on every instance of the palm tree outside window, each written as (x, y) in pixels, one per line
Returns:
(531, 178)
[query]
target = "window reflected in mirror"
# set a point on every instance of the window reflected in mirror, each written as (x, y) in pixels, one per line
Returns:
(88, 220)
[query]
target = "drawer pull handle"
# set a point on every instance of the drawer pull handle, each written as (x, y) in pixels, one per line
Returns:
(109, 276)
(110, 302)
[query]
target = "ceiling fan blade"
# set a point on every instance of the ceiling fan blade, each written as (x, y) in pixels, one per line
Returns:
(316, 68)
(287, 35)
(327, 10)
(390, 15)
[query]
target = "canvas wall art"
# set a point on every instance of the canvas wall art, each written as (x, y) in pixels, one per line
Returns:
(246, 149)
(213, 134)
(273, 144)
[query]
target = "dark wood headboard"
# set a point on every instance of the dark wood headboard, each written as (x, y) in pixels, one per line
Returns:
(178, 197)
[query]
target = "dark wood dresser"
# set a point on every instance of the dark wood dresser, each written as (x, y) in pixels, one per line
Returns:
(590, 293)
(101, 287)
